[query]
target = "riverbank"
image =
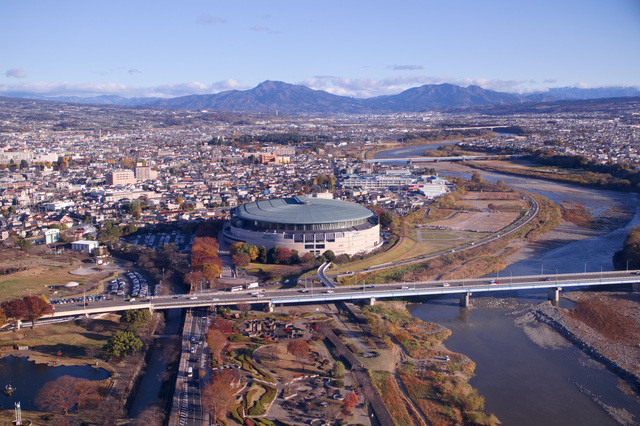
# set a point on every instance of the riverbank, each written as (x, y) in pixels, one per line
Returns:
(604, 326)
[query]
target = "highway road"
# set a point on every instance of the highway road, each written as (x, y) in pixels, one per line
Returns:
(325, 294)
(188, 397)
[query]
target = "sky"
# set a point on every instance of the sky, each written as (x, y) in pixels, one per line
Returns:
(140, 48)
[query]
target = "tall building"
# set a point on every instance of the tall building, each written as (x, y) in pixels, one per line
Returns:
(145, 173)
(121, 177)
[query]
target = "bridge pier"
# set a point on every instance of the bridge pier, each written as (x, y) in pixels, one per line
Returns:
(554, 294)
(635, 287)
(269, 307)
(372, 301)
(464, 300)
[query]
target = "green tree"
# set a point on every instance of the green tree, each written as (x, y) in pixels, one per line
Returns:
(123, 343)
(263, 255)
(22, 243)
(133, 319)
(339, 370)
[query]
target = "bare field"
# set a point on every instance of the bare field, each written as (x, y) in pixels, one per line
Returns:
(482, 221)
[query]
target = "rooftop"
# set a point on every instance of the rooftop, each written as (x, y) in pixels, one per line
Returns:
(302, 210)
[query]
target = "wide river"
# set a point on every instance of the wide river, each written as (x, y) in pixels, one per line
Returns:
(525, 383)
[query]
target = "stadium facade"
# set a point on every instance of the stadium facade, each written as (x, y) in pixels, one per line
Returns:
(308, 225)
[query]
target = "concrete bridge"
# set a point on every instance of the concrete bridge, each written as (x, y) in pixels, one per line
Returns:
(368, 293)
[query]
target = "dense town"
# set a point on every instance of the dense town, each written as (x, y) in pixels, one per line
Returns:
(68, 166)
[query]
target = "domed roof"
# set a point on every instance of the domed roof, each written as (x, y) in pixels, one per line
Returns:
(302, 210)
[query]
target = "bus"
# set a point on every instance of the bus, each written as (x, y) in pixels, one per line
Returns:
(252, 285)
(236, 288)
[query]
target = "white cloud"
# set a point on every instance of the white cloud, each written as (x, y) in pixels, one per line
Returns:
(16, 73)
(210, 19)
(407, 67)
(52, 89)
(262, 29)
(369, 87)
(134, 71)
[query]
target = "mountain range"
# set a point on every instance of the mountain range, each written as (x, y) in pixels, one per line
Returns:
(275, 96)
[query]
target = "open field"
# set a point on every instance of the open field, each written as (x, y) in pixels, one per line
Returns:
(478, 221)
(78, 343)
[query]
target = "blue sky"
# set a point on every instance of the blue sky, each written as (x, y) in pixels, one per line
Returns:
(349, 47)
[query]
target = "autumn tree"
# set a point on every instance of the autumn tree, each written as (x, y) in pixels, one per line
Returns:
(350, 402)
(216, 341)
(223, 325)
(151, 416)
(88, 393)
(300, 349)
(195, 279)
(36, 307)
(58, 396)
(211, 271)
(218, 397)
(15, 310)
(242, 260)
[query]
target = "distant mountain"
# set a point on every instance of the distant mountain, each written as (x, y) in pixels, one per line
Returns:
(438, 96)
(276, 96)
(272, 96)
(268, 96)
(574, 93)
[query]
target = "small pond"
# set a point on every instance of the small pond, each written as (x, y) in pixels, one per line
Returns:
(27, 378)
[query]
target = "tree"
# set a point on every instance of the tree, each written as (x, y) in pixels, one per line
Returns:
(350, 402)
(22, 243)
(223, 325)
(338, 370)
(263, 255)
(242, 260)
(283, 255)
(151, 416)
(329, 255)
(36, 307)
(218, 397)
(15, 310)
(211, 271)
(216, 341)
(88, 393)
(195, 279)
(300, 349)
(386, 218)
(133, 319)
(123, 343)
(59, 395)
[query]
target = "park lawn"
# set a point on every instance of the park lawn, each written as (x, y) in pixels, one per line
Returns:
(78, 342)
(36, 280)
(385, 361)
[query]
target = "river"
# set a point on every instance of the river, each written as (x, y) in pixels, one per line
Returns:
(523, 382)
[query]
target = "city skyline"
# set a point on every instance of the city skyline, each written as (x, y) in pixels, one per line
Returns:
(358, 49)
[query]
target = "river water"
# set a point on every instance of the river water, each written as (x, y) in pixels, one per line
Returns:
(524, 383)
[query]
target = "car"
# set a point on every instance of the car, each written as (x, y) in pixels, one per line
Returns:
(215, 299)
(304, 290)
(445, 285)
(193, 350)
(194, 298)
(492, 282)
(405, 287)
(547, 279)
(329, 291)
(259, 295)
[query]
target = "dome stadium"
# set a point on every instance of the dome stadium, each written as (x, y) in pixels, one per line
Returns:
(308, 225)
